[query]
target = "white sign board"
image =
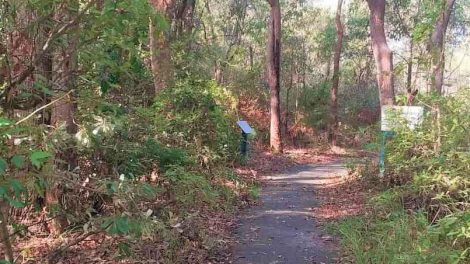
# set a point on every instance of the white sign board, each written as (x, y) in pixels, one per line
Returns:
(413, 115)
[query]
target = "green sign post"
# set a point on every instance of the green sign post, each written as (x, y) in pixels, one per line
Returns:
(384, 136)
(246, 130)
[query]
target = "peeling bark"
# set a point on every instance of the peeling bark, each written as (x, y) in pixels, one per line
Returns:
(336, 64)
(159, 42)
(273, 71)
(184, 17)
(5, 235)
(382, 54)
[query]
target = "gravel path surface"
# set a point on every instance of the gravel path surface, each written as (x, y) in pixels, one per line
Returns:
(282, 229)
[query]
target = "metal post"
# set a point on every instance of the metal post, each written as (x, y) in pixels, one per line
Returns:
(384, 136)
(244, 144)
(382, 154)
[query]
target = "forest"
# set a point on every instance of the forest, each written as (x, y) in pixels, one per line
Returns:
(121, 138)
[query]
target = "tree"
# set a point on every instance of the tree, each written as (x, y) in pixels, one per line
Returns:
(382, 54)
(64, 64)
(403, 20)
(159, 42)
(335, 83)
(436, 46)
(273, 70)
(20, 70)
(184, 17)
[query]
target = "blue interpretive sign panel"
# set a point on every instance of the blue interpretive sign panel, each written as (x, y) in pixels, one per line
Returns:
(245, 127)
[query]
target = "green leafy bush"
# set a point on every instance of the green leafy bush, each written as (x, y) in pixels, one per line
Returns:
(198, 115)
(397, 237)
(424, 215)
(190, 188)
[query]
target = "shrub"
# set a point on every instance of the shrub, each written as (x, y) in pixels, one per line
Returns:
(424, 215)
(198, 115)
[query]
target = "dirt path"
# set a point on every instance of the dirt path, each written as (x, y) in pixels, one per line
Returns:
(282, 229)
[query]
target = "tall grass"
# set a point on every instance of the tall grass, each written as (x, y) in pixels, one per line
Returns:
(423, 215)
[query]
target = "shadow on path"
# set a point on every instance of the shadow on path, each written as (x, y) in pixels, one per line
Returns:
(282, 229)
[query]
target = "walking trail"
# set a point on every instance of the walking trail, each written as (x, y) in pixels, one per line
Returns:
(282, 228)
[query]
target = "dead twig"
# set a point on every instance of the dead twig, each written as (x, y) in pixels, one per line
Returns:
(54, 255)
(43, 107)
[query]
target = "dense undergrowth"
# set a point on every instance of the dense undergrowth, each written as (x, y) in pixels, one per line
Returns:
(421, 212)
(118, 136)
(143, 173)
(124, 166)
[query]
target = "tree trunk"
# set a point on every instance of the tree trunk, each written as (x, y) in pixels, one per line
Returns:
(436, 46)
(286, 117)
(328, 69)
(382, 54)
(159, 42)
(44, 67)
(411, 94)
(304, 69)
(297, 94)
(184, 17)
(288, 96)
(409, 72)
(63, 72)
(273, 70)
(334, 88)
(4, 234)
(251, 53)
(153, 46)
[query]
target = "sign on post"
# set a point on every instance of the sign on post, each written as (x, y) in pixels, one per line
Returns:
(246, 129)
(413, 115)
(392, 117)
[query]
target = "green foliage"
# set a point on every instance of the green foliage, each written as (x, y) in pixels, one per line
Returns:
(327, 39)
(3, 166)
(139, 160)
(397, 238)
(254, 191)
(426, 19)
(117, 60)
(125, 225)
(316, 105)
(190, 188)
(38, 158)
(140, 168)
(197, 115)
(17, 160)
(423, 216)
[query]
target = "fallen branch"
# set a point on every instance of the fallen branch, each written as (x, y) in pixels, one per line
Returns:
(43, 107)
(52, 257)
